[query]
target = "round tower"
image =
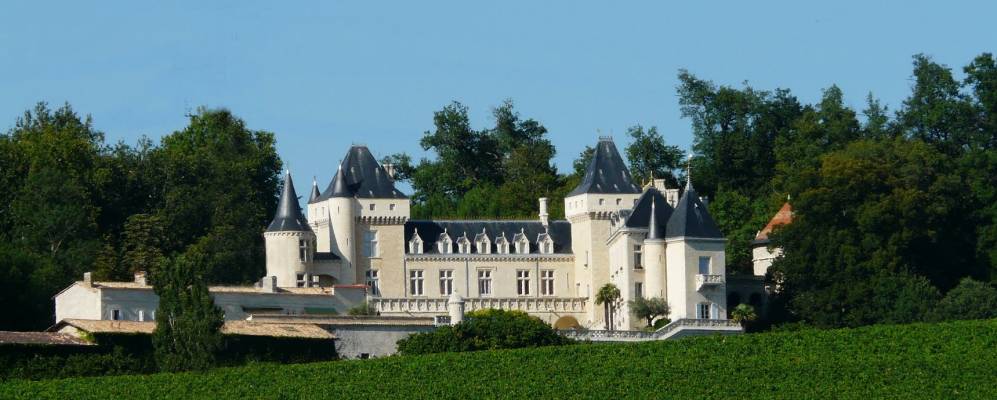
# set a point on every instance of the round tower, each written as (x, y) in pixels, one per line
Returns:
(290, 243)
(654, 256)
(342, 218)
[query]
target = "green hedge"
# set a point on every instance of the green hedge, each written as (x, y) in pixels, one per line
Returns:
(132, 354)
(946, 360)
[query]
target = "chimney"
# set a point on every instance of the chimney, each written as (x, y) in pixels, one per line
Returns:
(390, 169)
(269, 284)
(660, 185)
(87, 279)
(140, 278)
(544, 216)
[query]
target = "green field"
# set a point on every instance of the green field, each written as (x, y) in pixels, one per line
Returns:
(948, 360)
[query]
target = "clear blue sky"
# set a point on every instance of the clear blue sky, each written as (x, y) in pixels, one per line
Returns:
(323, 75)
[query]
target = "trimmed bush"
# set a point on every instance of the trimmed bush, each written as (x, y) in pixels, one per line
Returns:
(485, 330)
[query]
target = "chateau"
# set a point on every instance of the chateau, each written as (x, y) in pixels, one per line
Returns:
(650, 242)
(358, 244)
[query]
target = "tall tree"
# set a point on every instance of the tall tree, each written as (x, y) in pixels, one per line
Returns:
(649, 156)
(188, 324)
(219, 184)
(937, 111)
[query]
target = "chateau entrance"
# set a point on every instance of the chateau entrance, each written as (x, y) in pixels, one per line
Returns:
(567, 322)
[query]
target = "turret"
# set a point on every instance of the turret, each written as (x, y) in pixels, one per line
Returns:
(654, 256)
(290, 242)
(696, 261)
(342, 218)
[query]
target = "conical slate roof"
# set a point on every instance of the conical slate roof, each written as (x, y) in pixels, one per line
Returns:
(640, 216)
(315, 193)
(361, 176)
(691, 219)
(606, 173)
(288, 217)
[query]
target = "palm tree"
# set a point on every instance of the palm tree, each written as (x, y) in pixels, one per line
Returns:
(608, 296)
(743, 313)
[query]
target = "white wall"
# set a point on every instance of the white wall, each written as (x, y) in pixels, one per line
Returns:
(78, 301)
(376, 341)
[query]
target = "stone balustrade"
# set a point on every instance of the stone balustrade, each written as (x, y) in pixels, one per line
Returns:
(673, 329)
(416, 305)
(704, 280)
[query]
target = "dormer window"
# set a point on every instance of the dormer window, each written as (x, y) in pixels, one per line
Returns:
(502, 245)
(545, 244)
(483, 243)
(444, 244)
(415, 244)
(463, 245)
(522, 243)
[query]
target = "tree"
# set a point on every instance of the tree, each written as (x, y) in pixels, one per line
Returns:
(649, 156)
(609, 297)
(220, 182)
(488, 329)
(143, 246)
(649, 309)
(937, 111)
(188, 324)
(743, 313)
(972, 299)
(364, 308)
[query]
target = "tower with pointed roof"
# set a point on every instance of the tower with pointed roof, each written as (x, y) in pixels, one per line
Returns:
(696, 260)
(359, 214)
(606, 187)
(289, 241)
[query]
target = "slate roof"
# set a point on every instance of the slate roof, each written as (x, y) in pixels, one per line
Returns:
(691, 219)
(430, 232)
(640, 215)
(314, 194)
(606, 173)
(361, 176)
(783, 217)
(288, 217)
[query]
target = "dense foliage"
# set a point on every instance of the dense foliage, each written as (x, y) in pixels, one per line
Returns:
(903, 361)
(72, 203)
(188, 322)
(487, 329)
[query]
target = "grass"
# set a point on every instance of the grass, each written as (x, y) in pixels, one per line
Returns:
(947, 360)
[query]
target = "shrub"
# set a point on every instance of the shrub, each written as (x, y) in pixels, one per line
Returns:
(364, 308)
(485, 330)
(971, 299)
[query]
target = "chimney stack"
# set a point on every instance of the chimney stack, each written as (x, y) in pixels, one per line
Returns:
(140, 278)
(390, 169)
(87, 279)
(544, 216)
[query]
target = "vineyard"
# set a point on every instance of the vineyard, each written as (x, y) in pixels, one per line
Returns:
(946, 360)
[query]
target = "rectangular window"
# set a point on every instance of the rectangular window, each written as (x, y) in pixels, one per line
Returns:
(372, 206)
(373, 282)
(704, 265)
(547, 282)
(638, 290)
(116, 315)
(703, 311)
(446, 282)
(141, 315)
(391, 207)
(523, 282)
(485, 282)
(415, 282)
(303, 252)
(638, 257)
(370, 243)
(300, 280)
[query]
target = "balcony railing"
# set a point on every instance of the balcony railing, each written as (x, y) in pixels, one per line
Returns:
(708, 281)
(688, 325)
(439, 305)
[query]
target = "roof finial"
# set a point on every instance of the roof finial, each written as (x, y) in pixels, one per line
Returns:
(688, 174)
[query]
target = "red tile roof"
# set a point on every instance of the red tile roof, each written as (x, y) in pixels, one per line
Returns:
(41, 338)
(783, 217)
